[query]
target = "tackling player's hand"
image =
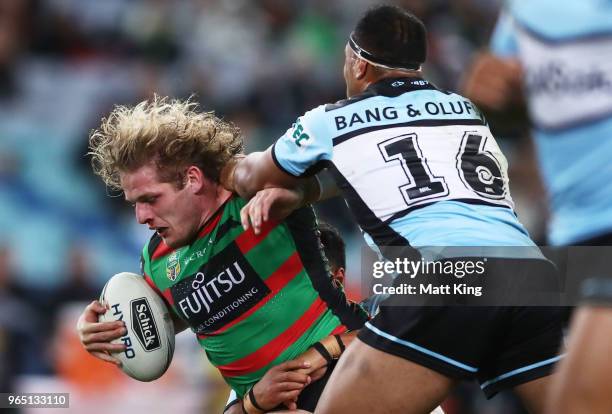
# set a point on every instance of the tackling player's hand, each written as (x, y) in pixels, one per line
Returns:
(270, 204)
(282, 384)
(96, 336)
(317, 364)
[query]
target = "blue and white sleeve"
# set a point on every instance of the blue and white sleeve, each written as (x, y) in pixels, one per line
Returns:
(303, 148)
(503, 41)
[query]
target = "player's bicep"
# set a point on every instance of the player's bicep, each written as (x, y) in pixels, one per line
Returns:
(301, 152)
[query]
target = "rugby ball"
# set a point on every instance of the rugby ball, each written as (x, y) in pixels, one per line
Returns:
(149, 339)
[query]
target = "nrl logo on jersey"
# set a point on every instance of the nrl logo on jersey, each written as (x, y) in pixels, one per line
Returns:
(173, 266)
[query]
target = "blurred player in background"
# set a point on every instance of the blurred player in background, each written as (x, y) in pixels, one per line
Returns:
(335, 252)
(418, 167)
(254, 301)
(556, 58)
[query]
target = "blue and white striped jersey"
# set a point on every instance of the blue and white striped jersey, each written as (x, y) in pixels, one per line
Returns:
(566, 53)
(415, 164)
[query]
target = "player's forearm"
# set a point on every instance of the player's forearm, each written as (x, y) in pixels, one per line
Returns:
(336, 344)
(247, 175)
(348, 337)
(328, 349)
(235, 408)
(309, 190)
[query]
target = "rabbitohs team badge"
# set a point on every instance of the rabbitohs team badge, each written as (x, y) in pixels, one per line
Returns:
(173, 266)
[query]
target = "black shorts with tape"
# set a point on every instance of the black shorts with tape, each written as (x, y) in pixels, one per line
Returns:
(499, 346)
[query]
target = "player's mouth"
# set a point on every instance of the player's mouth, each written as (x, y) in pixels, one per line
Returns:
(161, 231)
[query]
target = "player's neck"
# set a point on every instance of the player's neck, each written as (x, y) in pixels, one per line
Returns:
(213, 202)
(392, 74)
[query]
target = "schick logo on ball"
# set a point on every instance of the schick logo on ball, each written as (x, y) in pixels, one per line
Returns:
(143, 324)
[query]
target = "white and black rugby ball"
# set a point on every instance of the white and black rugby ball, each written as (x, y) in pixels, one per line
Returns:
(149, 339)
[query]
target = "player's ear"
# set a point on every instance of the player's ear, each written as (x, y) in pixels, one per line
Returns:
(195, 180)
(338, 277)
(360, 67)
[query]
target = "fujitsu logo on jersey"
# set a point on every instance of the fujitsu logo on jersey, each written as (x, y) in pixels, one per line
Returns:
(224, 288)
(205, 293)
(143, 324)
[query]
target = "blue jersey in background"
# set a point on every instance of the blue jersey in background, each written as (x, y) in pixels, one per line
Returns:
(566, 53)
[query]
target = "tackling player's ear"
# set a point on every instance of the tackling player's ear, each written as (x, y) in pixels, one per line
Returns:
(359, 68)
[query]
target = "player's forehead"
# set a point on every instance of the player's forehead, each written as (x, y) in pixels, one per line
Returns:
(142, 181)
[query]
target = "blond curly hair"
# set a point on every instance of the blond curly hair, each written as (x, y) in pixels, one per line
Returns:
(170, 133)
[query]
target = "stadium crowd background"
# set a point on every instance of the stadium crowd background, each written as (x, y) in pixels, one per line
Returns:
(65, 63)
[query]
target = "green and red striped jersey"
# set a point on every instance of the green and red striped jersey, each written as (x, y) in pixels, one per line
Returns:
(253, 301)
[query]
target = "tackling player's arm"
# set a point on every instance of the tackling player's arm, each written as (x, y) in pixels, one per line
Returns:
(273, 193)
(278, 203)
(246, 175)
(281, 384)
(322, 353)
(302, 151)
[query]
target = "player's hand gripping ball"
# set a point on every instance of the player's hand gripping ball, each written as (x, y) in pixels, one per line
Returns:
(149, 339)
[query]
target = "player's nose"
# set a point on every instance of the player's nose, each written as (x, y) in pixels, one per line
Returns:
(143, 213)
